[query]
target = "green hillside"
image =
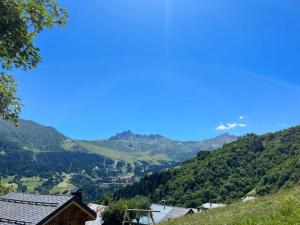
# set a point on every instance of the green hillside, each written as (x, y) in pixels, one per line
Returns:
(32, 136)
(278, 209)
(104, 151)
(264, 163)
(152, 148)
(117, 154)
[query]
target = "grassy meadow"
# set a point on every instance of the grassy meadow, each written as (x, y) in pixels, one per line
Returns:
(278, 209)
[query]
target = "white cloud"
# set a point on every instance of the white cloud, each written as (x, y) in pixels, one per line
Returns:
(222, 127)
(242, 117)
(242, 125)
(230, 126)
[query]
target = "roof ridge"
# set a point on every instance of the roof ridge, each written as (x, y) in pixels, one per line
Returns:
(34, 194)
(19, 222)
(29, 202)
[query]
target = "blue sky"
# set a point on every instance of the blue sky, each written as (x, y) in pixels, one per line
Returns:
(178, 68)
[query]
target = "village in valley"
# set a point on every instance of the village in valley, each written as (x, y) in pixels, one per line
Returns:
(20, 208)
(149, 112)
(35, 209)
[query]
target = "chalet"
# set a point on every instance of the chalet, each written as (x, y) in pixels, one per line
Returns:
(98, 209)
(166, 213)
(208, 206)
(248, 199)
(33, 209)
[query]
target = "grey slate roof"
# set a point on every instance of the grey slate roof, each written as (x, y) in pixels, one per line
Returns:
(177, 212)
(98, 209)
(166, 213)
(29, 209)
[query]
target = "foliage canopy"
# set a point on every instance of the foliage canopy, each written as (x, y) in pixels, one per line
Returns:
(20, 22)
(114, 213)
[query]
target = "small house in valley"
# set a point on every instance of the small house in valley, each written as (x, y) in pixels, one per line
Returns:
(34, 209)
(166, 213)
(249, 198)
(98, 209)
(208, 206)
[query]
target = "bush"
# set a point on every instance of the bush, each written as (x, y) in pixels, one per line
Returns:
(114, 213)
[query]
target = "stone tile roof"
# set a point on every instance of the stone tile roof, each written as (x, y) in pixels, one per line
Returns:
(29, 209)
(177, 212)
(166, 213)
(98, 209)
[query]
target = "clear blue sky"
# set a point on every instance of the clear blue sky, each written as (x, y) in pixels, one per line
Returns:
(174, 67)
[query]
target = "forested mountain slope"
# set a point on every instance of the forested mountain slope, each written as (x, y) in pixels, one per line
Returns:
(262, 164)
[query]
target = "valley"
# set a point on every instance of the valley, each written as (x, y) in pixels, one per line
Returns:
(161, 112)
(129, 166)
(39, 159)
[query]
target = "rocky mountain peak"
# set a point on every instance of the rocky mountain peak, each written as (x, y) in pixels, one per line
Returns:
(130, 136)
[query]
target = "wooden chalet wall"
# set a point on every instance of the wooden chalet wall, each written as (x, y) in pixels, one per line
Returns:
(72, 215)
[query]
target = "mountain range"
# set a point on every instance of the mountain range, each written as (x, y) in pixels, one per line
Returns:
(125, 146)
(39, 159)
(153, 148)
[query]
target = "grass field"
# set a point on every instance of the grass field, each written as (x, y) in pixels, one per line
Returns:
(279, 209)
(7, 182)
(65, 185)
(31, 183)
(110, 153)
(123, 156)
